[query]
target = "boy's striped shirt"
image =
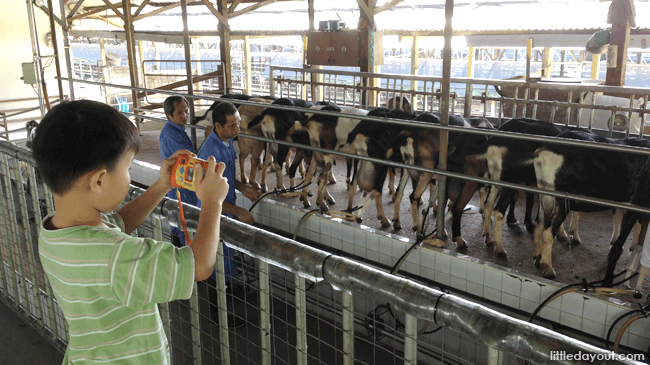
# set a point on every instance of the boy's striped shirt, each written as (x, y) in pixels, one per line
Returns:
(107, 284)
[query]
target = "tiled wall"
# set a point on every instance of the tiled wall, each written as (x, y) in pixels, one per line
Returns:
(584, 312)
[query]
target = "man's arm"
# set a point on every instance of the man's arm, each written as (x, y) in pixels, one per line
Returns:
(243, 214)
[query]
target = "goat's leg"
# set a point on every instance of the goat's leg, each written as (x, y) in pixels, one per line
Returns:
(511, 220)
(255, 162)
(381, 215)
(457, 212)
(573, 228)
(425, 178)
(391, 183)
(528, 218)
(507, 196)
(398, 198)
(242, 171)
(487, 214)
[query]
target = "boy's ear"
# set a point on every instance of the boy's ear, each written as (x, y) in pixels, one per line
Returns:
(97, 180)
(169, 116)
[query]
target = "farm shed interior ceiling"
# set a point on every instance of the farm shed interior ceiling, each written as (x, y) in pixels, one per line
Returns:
(495, 23)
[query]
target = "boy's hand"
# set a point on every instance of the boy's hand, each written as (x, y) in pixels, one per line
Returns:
(166, 168)
(211, 186)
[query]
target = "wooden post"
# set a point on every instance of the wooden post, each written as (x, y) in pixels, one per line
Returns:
(224, 35)
(547, 62)
(141, 61)
(247, 67)
(366, 60)
(188, 68)
(444, 118)
(130, 47)
(197, 66)
(415, 66)
(469, 89)
(621, 14)
(595, 66)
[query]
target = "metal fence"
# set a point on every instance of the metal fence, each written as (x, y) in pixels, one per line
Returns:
(298, 304)
(610, 109)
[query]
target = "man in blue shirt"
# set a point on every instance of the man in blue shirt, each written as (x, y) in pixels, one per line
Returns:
(219, 144)
(173, 138)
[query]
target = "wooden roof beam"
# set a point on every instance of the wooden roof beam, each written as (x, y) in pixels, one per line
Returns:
(233, 6)
(216, 13)
(87, 14)
(251, 8)
(387, 6)
(115, 10)
(76, 7)
(141, 7)
(164, 8)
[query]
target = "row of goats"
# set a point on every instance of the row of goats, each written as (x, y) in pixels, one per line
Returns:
(604, 174)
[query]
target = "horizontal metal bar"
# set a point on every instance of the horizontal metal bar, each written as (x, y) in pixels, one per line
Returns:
(475, 81)
(31, 109)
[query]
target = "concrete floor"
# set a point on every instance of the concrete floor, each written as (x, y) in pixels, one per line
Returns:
(20, 344)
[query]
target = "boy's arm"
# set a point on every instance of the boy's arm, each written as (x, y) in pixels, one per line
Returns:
(211, 189)
(136, 211)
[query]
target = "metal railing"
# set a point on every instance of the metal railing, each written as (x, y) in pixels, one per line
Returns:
(163, 73)
(587, 105)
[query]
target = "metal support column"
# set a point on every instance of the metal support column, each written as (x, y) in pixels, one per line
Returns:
(55, 48)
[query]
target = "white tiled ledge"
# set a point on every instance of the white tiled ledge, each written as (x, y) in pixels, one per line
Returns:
(588, 313)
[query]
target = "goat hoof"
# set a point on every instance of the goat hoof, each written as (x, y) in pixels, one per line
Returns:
(637, 294)
(415, 228)
(330, 201)
(306, 203)
(530, 227)
(512, 223)
(310, 194)
(460, 243)
(501, 254)
(435, 242)
(549, 273)
(561, 238)
(359, 220)
(397, 225)
(575, 242)
(536, 260)
(244, 180)
(384, 222)
(263, 188)
(256, 186)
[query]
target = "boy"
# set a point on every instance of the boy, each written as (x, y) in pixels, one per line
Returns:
(107, 283)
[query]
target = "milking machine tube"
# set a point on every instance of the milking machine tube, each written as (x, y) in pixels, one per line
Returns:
(279, 192)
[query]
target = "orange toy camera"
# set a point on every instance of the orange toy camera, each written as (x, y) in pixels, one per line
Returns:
(182, 175)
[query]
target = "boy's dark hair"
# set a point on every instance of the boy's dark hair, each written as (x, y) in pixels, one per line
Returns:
(77, 137)
(170, 103)
(221, 112)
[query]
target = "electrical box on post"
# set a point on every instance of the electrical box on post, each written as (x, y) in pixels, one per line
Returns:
(29, 73)
(340, 48)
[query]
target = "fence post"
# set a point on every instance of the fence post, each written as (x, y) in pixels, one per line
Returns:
(348, 328)
(265, 312)
(301, 320)
(410, 340)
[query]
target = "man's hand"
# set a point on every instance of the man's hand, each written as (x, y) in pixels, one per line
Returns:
(166, 168)
(245, 216)
(212, 186)
(250, 192)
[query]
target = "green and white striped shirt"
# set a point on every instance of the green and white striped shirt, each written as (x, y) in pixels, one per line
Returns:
(107, 284)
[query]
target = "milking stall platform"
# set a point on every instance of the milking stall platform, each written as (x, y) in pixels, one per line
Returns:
(320, 287)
